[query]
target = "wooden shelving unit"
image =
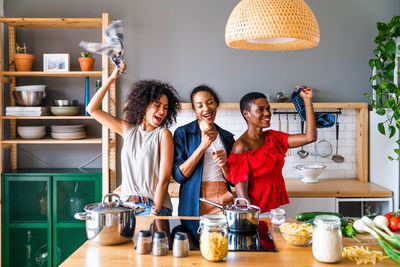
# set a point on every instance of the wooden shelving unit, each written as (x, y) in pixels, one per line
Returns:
(46, 118)
(107, 139)
(52, 73)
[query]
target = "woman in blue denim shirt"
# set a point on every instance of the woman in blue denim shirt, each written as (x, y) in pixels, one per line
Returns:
(200, 161)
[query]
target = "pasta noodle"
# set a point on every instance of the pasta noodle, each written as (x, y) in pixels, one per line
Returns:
(213, 246)
(362, 255)
(297, 234)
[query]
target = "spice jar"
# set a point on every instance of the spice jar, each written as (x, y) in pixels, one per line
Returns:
(278, 216)
(144, 242)
(180, 247)
(160, 244)
(327, 239)
(213, 232)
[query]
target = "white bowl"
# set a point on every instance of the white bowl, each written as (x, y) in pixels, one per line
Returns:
(309, 172)
(65, 111)
(31, 129)
(39, 88)
(32, 135)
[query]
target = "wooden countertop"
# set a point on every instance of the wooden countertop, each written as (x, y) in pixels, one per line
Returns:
(287, 255)
(325, 188)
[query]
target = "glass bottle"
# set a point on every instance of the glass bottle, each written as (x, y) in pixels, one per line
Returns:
(213, 232)
(160, 244)
(98, 85)
(180, 247)
(327, 239)
(278, 216)
(43, 201)
(77, 200)
(143, 245)
(29, 261)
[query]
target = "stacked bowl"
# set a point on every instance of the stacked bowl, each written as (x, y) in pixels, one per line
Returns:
(68, 131)
(29, 95)
(31, 132)
(64, 107)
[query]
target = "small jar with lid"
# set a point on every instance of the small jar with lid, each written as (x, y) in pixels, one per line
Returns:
(180, 247)
(213, 232)
(160, 244)
(143, 245)
(278, 216)
(327, 239)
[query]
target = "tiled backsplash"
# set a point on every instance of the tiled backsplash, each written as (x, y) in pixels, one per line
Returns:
(232, 120)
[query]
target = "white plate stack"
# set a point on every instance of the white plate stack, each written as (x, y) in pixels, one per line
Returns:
(68, 131)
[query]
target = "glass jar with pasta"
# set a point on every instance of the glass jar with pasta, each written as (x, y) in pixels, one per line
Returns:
(213, 232)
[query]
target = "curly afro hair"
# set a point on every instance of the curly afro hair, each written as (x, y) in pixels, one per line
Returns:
(144, 93)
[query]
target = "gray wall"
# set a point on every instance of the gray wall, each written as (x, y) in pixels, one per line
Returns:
(182, 41)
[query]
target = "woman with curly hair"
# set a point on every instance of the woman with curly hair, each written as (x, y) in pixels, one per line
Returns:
(148, 149)
(201, 151)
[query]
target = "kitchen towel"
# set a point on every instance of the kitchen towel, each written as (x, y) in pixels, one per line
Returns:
(113, 45)
(324, 120)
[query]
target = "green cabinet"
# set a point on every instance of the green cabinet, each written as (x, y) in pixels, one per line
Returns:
(38, 210)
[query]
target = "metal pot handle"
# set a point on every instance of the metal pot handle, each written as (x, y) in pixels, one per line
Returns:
(119, 202)
(212, 203)
(84, 216)
(245, 200)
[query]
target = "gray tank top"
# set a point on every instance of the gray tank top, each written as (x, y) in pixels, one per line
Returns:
(140, 163)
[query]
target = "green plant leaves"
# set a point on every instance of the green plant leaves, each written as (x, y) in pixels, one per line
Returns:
(381, 128)
(392, 131)
(381, 111)
(386, 98)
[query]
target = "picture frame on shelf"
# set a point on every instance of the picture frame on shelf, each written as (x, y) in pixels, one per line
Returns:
(56, 62)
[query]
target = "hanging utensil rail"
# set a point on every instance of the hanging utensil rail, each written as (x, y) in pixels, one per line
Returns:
(275, 112)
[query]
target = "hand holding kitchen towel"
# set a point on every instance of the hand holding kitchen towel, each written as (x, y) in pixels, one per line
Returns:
(112, 47)
(324, 120)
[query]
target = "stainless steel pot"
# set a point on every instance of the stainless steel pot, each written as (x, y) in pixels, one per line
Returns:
(239, 217)
(109, 223)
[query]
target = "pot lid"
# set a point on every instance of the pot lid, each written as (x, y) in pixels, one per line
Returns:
(242, 208)
(108, 207)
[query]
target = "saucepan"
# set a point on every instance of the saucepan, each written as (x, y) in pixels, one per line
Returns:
(240, 217)
(108, 223)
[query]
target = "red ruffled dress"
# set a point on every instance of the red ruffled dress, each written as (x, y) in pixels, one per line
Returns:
(263, 169)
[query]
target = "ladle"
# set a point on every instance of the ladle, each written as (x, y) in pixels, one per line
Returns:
(302, 153)
(337, 158)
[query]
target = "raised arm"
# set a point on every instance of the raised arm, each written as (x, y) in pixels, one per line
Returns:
(166, 158)
(187, 167)
(296, 140)
(107, 120)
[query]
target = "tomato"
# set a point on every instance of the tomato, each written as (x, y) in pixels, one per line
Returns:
(388, 216)
(394, 223)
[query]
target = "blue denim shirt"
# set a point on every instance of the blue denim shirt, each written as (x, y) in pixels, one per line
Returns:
(186, 139)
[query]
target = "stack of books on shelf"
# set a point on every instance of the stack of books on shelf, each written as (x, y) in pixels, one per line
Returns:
(27, 111)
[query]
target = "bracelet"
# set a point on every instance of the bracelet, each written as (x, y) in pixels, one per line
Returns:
(154, 210)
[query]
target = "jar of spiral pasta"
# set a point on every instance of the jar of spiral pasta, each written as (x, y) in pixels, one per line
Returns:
(213, 232)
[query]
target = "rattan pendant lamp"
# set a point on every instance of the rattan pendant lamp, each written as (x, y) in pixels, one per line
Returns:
(272, 25)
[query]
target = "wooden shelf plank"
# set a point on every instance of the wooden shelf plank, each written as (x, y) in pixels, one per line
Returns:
(53, 22)
(53, 141)
(344, 105)
(325, 188)
(53, 73)
(47, 118)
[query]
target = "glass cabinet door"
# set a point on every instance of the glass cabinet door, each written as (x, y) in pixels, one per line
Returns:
(26, 199)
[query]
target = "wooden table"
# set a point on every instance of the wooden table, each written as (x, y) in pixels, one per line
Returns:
(287, 255)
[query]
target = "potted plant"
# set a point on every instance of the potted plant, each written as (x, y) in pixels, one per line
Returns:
(86, 61)
(385, 80)
(23, 61)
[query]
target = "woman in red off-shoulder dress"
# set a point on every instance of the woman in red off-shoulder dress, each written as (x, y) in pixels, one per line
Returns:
(257, 158)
